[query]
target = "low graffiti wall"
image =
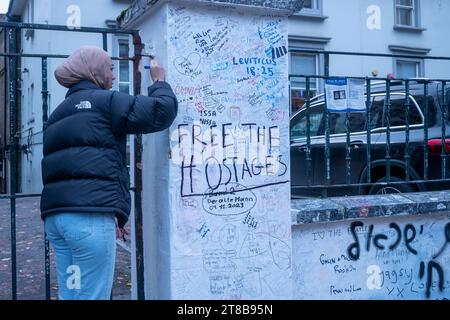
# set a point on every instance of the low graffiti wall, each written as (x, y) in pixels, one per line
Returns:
(372, 247)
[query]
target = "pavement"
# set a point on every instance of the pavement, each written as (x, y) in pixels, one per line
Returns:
(31, 258)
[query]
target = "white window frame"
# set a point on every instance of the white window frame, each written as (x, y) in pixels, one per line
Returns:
(415, 11)
(122, 41)
(420, 69)
(316, 56)
(316, 10)
(118, 40)
(315, 81)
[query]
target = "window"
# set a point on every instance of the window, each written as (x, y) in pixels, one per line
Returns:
(398, 115)
(302, 65)
(124, 67)
(408, 68)
(431, 108)
(313, 7)
(124, 80)
(407, 13)
(376, 112)
(397, 111)
(357, 122)
(310, 4)
(298, 123)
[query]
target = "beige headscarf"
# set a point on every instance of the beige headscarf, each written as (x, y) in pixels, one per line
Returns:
(87, 63)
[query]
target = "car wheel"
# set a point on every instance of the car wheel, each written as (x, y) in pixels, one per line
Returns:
(391, 188)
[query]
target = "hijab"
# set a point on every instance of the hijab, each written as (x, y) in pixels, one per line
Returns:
(86, 63)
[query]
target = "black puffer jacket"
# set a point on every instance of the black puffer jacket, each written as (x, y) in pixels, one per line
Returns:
(84, 168)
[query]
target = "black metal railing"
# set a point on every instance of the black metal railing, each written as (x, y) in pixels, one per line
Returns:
(389, 86)
(12, 56)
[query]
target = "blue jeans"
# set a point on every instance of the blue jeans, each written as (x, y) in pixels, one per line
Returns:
(85, 249)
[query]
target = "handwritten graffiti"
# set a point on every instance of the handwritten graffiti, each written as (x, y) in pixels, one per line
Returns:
(188, 66)
(254, 61)
(266, 71)
(250, 221)
(184, 90)
(279, 52)
(218, 260)
(229, 237)
(432, 265)
(208, 41)
(227, 149)
(340, 290)
(407, 236)
(228, 170)
(203, 231)
(228, 204)
(378, 240)
(270, 32)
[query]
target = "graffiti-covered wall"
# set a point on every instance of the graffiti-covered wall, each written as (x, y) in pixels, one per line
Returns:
(229, 167)
(378, 258)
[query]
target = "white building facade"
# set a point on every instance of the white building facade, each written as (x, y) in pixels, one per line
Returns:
(407, 27)
(397, 27)
(98, 13)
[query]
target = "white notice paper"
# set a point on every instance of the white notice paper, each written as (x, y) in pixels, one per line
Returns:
(345, 95)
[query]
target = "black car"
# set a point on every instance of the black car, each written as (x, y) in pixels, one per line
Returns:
(314, 184)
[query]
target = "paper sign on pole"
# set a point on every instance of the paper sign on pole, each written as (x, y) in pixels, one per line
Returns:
(345, 95)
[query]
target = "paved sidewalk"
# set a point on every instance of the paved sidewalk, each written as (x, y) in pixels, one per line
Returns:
(30, 256)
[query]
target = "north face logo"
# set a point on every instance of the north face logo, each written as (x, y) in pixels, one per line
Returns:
(84, 105)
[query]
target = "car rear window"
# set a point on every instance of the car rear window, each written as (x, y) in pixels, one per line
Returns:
(298, 123)
(398, 115)
(431, 108)
(357, 122)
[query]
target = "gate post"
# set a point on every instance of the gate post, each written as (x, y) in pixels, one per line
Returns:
(13, 153)
(215, 186)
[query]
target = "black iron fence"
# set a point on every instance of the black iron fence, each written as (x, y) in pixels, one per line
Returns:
(398, 142)
(12, 55)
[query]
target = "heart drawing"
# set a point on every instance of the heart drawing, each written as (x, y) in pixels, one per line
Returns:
(188, 66)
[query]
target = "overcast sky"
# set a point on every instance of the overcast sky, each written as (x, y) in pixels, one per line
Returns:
(4, 6)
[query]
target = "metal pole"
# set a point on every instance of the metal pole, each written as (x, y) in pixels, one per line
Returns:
(44, 94)
(105, 41)
(425, 133)
(348, 156)
(407, 155)
(363, 78)
(388, 129)
(138, 220)
(308, 133)
(444, 120)
(37, 26)
(367, 54)
(369, 129)
(48, 55)
(12, 148)
(5, 110)
(327, 148)
(44, 125)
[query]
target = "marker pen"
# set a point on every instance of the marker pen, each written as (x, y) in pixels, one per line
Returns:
(150, 58)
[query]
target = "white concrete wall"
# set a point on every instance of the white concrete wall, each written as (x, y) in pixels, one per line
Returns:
(194, 249)
(92, 14)
(323, 268)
